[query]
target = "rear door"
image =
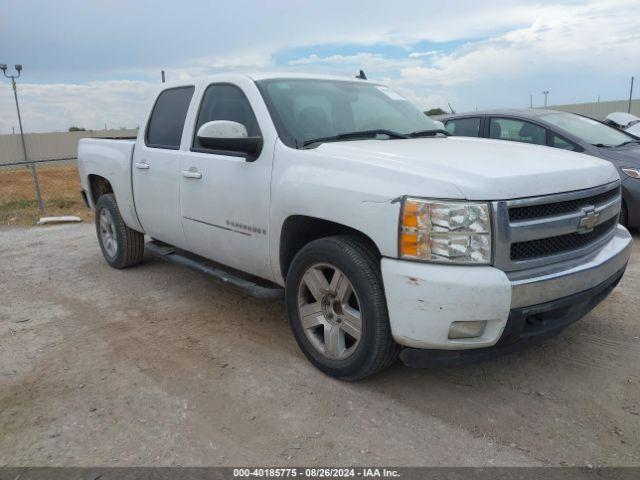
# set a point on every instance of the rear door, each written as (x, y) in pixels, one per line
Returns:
(225, 198)
(156, 167)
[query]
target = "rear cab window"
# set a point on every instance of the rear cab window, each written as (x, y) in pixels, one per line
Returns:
(168, 116)
(517, 131)
(464, 127)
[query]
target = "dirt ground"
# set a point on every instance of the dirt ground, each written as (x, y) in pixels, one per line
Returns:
(159, 365)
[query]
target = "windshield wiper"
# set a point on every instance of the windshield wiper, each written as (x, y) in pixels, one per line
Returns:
(429, 133)
(602, 145)
(361, 134)
(628, 142)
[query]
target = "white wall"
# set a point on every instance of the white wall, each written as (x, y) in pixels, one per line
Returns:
(44, 146)
(599, 110)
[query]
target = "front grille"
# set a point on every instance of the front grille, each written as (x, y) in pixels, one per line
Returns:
(561, 243)
(558, 208)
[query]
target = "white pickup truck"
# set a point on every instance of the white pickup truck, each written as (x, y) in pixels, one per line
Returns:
(386, 236)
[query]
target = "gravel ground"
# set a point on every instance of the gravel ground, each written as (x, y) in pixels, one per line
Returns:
(159, 365)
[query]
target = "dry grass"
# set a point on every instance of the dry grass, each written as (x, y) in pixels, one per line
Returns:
(60, 186)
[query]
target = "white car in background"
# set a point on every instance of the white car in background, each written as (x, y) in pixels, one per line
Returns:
(624, 121)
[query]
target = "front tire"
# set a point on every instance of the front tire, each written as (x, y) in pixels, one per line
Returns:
(121, 246)
(337, 308)
(624, 215)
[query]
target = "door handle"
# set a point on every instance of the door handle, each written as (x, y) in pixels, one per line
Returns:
(191, 173)
(142, 165)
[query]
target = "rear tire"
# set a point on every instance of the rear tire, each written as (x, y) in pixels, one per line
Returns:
(337, 308)
(121, 246)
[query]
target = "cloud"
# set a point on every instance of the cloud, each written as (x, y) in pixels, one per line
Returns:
(582, 42)
(599, 35)
(56, 107)
(352, 63)
(430, 53)
(106, 63)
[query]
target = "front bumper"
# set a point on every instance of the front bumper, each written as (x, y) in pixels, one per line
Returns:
(525, 326)
(425, 299)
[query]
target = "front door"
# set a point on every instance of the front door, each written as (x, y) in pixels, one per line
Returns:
(156, 167)
(224, 198)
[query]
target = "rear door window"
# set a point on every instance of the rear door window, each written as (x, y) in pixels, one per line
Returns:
(167, 118)
(464, 127)
(517, 131)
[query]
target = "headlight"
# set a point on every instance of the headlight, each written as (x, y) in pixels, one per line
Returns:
(441, 231)
(632, 172)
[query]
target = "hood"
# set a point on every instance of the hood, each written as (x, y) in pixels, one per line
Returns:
(480, 169)
(624, 156)
(633, 129)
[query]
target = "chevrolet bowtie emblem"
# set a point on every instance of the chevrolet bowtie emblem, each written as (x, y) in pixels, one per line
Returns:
(588, 221)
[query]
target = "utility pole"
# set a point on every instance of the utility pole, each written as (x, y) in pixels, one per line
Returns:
(545, 92)
(36, 183)
(162, 75)
(530, 101)
(630, 95)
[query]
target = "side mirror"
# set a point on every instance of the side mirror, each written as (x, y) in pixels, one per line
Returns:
(229, 136)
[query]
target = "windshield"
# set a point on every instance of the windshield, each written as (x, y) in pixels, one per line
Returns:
(309, 109)
(586, 129)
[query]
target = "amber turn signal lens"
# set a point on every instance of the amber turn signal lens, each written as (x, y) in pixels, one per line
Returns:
(410, 215)
(409, 244)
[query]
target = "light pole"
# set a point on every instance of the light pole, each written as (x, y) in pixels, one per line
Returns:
(545, 92)
(36, 184)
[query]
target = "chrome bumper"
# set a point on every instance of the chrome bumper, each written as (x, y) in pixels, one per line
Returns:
(544, 284)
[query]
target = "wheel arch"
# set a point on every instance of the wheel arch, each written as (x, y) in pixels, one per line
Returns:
(98, 186)
(298, 230)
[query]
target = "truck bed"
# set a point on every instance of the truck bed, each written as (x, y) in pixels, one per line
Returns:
(110, 159)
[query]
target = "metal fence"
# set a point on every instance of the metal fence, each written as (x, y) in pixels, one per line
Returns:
(48, 187)
(57, 181)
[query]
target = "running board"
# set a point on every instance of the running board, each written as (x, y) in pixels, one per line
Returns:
(173, 255)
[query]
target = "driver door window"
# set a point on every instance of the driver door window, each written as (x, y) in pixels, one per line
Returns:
(224, 102)
(464, 127)
(517, 131)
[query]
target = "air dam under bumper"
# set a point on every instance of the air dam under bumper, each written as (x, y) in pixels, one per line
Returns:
(425, 299)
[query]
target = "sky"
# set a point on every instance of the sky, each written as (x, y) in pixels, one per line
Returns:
(89, 63)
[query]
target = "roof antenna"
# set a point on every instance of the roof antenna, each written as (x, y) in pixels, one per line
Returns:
(361, 75)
